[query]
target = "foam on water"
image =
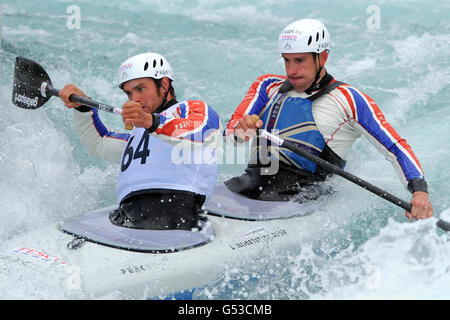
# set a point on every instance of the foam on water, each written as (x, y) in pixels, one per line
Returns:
(358, 247)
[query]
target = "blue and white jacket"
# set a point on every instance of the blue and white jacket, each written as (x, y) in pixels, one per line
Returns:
(341, 116)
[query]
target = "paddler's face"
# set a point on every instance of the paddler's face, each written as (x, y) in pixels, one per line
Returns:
(301, 68)
(145, 91)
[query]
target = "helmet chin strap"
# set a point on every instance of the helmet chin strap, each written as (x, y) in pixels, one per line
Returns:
(315, 83)
(163, 103)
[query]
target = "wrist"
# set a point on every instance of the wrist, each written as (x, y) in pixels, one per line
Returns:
(155, 123)
(417, 184)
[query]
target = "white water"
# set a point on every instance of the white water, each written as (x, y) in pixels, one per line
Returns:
(361, 248)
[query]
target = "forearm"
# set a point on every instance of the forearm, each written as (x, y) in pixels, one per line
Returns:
(97, 138)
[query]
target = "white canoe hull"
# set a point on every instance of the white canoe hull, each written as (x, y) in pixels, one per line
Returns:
(94, 270)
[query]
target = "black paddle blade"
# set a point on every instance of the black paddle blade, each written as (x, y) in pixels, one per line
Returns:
(28, 79)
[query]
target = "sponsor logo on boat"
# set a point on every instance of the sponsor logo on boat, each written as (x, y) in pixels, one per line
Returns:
(40, 255)
(25, 100)
(132, 269)
(257, 236)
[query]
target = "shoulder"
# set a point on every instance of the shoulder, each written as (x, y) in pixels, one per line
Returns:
(338, 99)
(196, 103)
(351, 94)
(186, 107)
(199, 105)
(271, 77)
(349, 98)
(270, 80)
(267, 84)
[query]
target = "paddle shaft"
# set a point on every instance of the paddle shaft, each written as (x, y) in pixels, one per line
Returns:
(88, 102)
(325, 164)
(85, 101)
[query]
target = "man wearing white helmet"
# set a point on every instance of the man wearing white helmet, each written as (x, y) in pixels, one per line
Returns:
(157, 187)
(309, 108)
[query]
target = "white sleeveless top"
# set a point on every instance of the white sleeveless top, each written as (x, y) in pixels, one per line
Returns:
(151, 163)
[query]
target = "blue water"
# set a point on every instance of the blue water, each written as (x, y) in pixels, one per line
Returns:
(362, 247)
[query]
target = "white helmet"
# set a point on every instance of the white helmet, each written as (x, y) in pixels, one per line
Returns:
(144, 65)
(302, 36)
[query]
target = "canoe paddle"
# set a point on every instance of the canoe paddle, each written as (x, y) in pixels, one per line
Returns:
(444, 225)
(32, 88)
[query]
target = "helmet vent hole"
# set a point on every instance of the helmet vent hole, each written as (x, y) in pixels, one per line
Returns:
(309, 40)
(161, 62)
(154, 63)
(317, 37)
(323, 34)
(146, 66)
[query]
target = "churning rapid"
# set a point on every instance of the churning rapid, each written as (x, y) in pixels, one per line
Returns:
(358, 246)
